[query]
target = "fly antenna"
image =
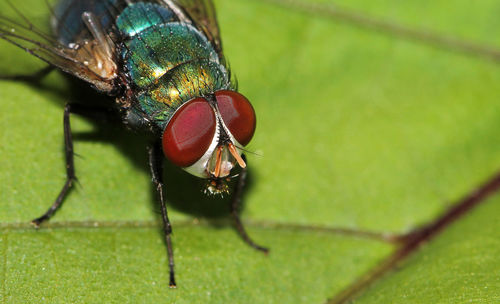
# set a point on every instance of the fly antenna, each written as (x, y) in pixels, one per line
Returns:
(248, 151)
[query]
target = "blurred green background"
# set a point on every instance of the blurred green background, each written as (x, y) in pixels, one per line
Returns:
(357, 129)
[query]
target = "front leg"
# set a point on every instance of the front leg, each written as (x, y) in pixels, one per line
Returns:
(156, 167)
(235, 207)
(70, 170)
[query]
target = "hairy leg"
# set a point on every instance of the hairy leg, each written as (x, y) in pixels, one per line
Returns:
(70, 170)
(156, 166)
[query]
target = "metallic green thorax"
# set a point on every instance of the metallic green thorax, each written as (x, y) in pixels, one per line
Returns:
(168, 62)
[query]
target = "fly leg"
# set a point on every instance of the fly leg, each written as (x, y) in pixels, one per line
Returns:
(70, 170)
(235, 207)
(30, 78)
(156, 167)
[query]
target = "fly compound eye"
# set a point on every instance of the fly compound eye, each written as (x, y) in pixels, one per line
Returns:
(238, 115)
(189, 132)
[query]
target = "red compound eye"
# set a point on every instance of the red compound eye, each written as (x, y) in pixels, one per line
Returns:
(238, 115)
(189, 133)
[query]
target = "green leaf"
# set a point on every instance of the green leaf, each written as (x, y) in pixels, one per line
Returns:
(356, 129)
(129, 265)
(460, 266)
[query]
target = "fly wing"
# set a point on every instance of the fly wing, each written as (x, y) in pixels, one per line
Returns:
(202, 13)
(76, 60)
(67, 23)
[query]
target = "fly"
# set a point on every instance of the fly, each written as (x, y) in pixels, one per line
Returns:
(162, 63)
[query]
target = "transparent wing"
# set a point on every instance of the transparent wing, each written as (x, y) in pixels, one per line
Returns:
(19, 31)
(202, 12)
